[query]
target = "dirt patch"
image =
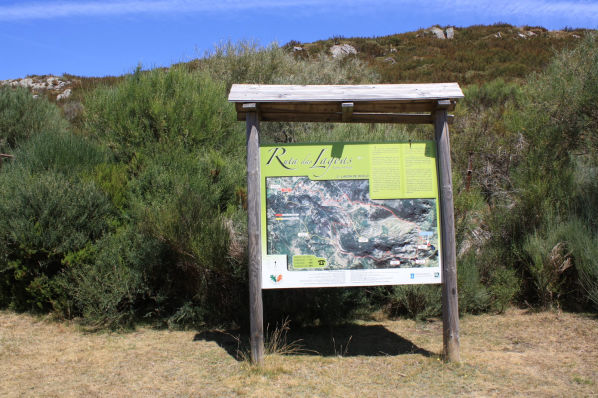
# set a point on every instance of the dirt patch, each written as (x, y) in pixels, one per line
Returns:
(516, 354)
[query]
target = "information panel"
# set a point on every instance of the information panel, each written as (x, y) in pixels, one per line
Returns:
(349, 215)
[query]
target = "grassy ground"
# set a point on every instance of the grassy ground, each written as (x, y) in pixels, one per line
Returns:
(519, 353)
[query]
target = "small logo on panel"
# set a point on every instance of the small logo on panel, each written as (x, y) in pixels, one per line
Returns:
(436, 274)
(412, 276)
(276, 278)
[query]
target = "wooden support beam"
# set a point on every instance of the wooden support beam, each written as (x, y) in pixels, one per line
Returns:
(450, 305)
(404, 118)
(347, 111)
(256, 310)
(358, 107)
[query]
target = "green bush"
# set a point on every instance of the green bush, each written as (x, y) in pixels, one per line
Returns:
(416, 301)
(113, 179)
(547, 260)
(248, 63)
(561, 259)
(60, 152)
(496, 92)
(503, 286)
(110, 288)
(22, 117)
(556, 178)
(190, 202)
(46, 217)
(473, 295)
(159, 109)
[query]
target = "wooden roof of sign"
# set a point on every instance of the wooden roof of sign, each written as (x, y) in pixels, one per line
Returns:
(371, 103)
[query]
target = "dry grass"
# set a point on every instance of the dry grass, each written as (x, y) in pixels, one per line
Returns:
(516, 354)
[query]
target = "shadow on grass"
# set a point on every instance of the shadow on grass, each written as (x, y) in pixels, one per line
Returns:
(349, 340)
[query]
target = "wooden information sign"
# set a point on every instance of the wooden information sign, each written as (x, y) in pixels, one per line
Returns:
(383, 103)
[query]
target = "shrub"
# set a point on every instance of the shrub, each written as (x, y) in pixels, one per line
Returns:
(561, 260)
(547, 259)
(113, 179)
(110, 288)
(503, 286)
(559, 123)
(416, 301)
(189, 202)
(160, 108)
(46, 218)
(22, 116)
(473, 295)
(60, 152)
(248, 63)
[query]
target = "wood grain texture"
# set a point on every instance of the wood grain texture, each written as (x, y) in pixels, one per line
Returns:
(256, 310)
(450, 305)
(343, 93)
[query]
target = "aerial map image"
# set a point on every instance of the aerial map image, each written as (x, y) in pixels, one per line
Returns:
(334, 225)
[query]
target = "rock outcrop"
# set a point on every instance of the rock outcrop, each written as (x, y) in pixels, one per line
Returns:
(38, 84)
(448, 33)
(439, 33)
(63, 96)
(340, 50)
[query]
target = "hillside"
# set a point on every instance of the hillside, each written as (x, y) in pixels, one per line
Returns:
(475, 54)
(125, 203)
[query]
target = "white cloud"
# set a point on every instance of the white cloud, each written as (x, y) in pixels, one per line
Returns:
(55, 9)
(25, 10)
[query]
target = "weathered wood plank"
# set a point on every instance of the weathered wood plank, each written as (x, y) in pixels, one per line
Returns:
(404, 118)
(450, 305)
(343, 93)
(256, 317)
(363, 107)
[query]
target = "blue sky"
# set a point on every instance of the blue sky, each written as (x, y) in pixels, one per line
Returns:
(111, 37)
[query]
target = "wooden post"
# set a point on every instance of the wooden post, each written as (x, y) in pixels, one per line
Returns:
(347, 111)
(256, 311)
(450, 305)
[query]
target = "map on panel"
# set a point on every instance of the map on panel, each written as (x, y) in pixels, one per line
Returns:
(335, 225)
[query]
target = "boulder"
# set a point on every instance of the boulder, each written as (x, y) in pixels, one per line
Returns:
(63, 96)
(26, 82)
(450, 33)
(340, 50)
(439, 33)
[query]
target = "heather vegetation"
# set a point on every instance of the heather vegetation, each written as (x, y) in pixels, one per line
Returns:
(477, 54)
(129, 206)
